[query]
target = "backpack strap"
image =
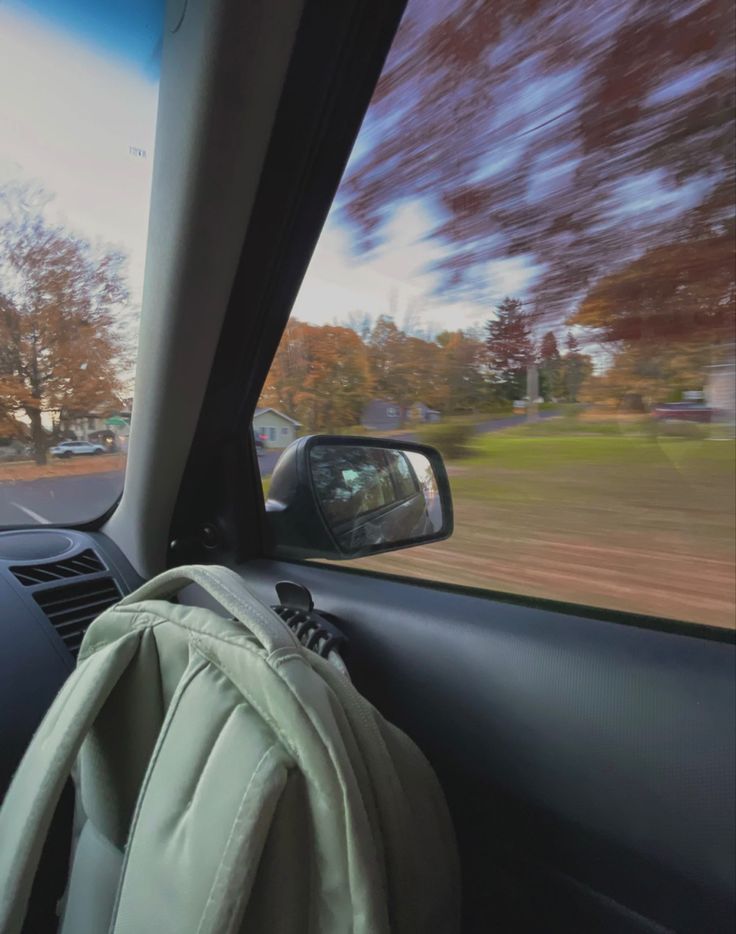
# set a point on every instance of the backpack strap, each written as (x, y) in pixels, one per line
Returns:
(34, 793)
(224, 586)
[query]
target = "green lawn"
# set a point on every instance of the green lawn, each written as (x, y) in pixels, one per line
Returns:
(599, 513)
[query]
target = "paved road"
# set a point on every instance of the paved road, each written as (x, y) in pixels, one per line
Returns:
(84, 497)
(267, 461)
(76, 498)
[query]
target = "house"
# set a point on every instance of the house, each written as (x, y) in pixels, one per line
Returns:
(384, 415)
(80, 427)
(420, 412)
(111, 428)
(381, 415)
(720, 391)
(275, 429)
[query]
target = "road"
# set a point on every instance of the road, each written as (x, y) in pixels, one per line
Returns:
(485, 428)
(78, 498)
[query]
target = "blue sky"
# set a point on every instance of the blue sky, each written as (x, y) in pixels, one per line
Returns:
(129, 29)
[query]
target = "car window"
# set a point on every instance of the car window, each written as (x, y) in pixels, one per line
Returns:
(77, 118)
(402, 475)
(529, 265)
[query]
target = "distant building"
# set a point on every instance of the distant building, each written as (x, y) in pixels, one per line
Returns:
(720, 390)
(420, 412)
(381, 415)
(79, 427)
(385, 415)
(110, 426)
(275, 429)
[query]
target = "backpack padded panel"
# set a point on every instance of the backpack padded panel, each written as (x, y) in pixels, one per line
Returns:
(225, 786)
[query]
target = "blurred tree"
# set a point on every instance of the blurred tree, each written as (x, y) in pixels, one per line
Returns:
(569, 133)
(551, 374)
(360, 322)
(640, 377)
(61, 342)
(509, 348)
(666, 315)
(458, 379)
(576, 368)
(675, 292)
(402, 367)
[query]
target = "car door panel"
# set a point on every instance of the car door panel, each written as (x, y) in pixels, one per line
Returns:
(589, 764)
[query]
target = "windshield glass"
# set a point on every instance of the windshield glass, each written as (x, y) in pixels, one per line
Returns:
(77, 122)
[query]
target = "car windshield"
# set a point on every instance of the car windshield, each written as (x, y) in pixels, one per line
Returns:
(77, 119)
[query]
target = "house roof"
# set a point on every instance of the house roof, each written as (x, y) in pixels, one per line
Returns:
(280, 414)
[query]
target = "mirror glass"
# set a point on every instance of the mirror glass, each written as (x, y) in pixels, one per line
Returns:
(373, 496)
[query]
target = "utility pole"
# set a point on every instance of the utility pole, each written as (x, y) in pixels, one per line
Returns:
(532, 392)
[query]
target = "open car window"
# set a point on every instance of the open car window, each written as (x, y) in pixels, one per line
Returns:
(529, 264)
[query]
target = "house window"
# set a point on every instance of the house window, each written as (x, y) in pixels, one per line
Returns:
(392, 411)
(285, 431)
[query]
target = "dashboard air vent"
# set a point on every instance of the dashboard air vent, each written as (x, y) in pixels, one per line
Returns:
(86, 562)
(72, 607)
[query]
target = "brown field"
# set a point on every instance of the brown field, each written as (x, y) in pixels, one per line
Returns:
(611, 520)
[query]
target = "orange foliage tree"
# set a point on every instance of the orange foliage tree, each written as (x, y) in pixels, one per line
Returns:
(320, 376)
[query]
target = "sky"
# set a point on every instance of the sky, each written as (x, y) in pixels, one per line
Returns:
(78, 114)
(80, 84)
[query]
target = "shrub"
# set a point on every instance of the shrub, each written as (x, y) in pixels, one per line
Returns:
(452, 439)
(678, 428)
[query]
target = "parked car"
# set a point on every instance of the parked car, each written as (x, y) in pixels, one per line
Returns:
(684, 411)
(72, 448)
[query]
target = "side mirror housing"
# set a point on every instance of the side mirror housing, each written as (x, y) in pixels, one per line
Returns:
(339, 497)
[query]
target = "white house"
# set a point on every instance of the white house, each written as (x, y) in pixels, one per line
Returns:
(275, 429)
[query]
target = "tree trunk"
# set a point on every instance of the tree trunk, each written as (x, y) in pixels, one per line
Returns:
(38, 436)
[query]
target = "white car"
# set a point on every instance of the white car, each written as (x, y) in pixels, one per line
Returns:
(70, 448)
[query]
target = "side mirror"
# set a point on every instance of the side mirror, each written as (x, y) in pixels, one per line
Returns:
(334, 496)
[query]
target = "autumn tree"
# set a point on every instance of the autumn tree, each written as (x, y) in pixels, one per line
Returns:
(320, 376)
(549, 131)
(386, 345)
(62, 346)
(664, 316)
(402, 366)
(640, 376)
(509, 348)
(681, 291)
(459, 380)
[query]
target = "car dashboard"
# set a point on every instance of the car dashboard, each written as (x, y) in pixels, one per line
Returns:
(53, 583)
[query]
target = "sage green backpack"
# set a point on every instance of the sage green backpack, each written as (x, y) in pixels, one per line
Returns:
(228, 780)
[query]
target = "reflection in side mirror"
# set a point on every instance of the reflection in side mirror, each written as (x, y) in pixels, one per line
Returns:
(340, 497)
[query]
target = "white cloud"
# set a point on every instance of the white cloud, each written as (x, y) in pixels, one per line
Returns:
(396, 278)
